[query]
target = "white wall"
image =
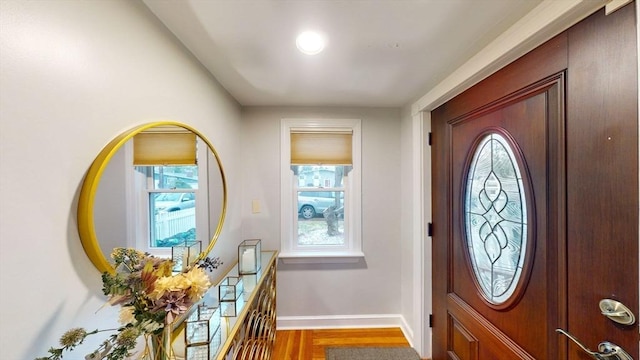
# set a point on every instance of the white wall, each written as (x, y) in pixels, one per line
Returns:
(74, 74)
(407, 222)
(406, 216)
(330, 294)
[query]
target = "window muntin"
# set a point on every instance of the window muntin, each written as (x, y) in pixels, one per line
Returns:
(496, 218)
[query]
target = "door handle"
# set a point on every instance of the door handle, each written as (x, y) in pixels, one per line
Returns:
(606, 350)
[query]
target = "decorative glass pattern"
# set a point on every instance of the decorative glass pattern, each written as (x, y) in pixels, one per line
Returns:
(495, 212)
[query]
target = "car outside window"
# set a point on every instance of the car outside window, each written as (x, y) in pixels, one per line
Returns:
(312, 204)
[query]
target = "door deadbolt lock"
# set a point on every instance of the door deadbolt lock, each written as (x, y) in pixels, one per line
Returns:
(617, 312)
(606, 349)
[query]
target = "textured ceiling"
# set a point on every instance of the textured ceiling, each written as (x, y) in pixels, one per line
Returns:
(379, 53)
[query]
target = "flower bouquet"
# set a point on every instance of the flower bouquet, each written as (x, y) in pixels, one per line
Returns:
(151, 296)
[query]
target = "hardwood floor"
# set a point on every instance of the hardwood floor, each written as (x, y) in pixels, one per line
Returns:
(310, 344)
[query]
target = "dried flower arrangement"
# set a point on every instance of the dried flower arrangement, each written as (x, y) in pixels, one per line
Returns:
(151, 296)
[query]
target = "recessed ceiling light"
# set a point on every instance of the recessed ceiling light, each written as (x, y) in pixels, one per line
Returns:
(310, 42)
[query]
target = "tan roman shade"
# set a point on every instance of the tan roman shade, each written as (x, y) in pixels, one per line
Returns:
(321, 147)
(164, 148)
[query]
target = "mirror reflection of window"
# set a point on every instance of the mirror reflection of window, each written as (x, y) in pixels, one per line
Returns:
(172, 204)
(165, 189)
(117, 205)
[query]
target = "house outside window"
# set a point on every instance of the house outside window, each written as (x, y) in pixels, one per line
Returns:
(320, 183)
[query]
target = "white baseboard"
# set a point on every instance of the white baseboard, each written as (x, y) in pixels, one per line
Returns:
(345, 322)
(408, 332)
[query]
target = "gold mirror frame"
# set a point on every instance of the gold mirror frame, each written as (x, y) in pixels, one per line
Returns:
(86, 202)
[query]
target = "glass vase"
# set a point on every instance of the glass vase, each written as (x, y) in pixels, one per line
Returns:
(184, 254)
(249, 256)
(160, 345)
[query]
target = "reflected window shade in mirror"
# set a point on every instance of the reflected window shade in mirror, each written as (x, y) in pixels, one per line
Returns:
(214, 197)
(321, 147)
(156, 148)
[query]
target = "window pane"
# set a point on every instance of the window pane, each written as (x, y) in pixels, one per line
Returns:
(320, 176)
(496, 218)
(173, 218)
(320, 217)
(175, 177)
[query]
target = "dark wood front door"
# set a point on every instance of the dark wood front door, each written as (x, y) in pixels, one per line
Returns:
(535, 201)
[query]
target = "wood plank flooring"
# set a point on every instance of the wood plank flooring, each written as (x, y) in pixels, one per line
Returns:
(310, 344)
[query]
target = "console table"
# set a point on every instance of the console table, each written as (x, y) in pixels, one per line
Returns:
(251, 334)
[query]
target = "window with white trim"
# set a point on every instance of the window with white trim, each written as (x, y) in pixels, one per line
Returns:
(320, 190)
(168, 175)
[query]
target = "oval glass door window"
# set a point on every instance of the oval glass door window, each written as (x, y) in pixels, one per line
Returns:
(495, 212)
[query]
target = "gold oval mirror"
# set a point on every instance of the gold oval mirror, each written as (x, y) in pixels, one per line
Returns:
(144, 190)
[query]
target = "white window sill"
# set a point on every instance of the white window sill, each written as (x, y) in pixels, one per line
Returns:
(321, 257)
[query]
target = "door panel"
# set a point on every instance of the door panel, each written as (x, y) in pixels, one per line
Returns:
(602, 199)
(530, 76)
(570, 113)
(524, 117)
